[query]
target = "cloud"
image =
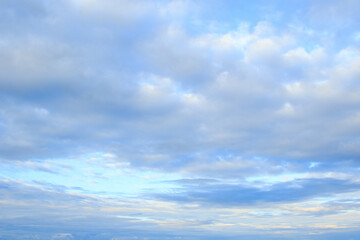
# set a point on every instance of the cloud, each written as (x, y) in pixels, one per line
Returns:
(248, 104)
(62, 236)
(238, 195)
(85, 216)
(238, 100)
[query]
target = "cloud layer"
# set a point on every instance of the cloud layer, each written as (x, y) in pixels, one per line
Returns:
(185, 105)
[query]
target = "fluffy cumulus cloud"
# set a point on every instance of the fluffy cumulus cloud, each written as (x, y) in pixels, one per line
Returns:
(176, 119)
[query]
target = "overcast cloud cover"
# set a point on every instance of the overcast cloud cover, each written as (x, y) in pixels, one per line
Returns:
(159, 119)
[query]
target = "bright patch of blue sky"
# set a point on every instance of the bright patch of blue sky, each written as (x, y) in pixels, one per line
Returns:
(178, 119)
(93, 174)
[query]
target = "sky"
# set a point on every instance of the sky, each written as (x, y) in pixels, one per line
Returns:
(179, 119)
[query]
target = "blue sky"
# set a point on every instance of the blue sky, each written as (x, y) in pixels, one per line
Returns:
(160, 119)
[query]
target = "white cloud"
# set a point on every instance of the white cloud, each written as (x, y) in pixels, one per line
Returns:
(266, 50)
(297, 56)
(287, 110)
(66, 236)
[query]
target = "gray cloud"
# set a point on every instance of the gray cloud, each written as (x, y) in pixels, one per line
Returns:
(253, 107)
(242, 195)
(64, 97)
(46, 214)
